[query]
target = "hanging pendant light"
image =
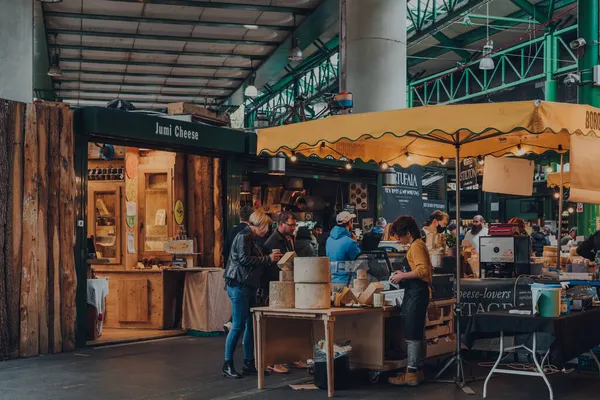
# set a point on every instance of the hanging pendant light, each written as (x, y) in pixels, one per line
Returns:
(277, 166)
(390, 179)
(54, 69)
(487, 63)
(295, 51)
(251, 90)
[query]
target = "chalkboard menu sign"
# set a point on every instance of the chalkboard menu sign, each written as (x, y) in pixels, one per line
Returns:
(406, 197)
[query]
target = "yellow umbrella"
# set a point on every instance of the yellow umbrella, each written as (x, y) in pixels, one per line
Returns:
(425, 134)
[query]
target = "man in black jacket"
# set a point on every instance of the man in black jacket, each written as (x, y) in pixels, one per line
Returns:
(590, 247)
(538, 240)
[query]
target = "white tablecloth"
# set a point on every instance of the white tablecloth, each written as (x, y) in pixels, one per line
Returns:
(97, 290)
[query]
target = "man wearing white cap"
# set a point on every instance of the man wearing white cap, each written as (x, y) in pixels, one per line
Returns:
(341, 245)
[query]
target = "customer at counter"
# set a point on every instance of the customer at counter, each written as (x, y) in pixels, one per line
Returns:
(538, 240)
(589, 247)
(245, 213)
(322, 238)
(414, 279)
(372, 238)
(342, 246)
(304, 243)
(282, 240)
(569, 238)
(245, 267)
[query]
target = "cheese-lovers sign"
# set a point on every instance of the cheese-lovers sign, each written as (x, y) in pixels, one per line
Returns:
(468, 172)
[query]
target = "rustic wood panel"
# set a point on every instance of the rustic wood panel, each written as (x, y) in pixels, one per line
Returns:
(198, 212)
(208, 211)
(13, 275)
(218, 212)
(5, 211)
(190, 205)
(68, 283)
(29, 334)
(41, 275)
(54, 328)
(133, 300)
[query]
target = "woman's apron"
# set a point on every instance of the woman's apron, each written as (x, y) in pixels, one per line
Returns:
(414, 306)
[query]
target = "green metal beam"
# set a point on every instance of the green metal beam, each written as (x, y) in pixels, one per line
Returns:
(60, 93)
(168, 38)
(145, 75)
(532, 10)
(135, 102)
(227, 6)
(446, 41)
(143, 64)
(137, 84)
(148, 51)
(166, 21)
(477, 34)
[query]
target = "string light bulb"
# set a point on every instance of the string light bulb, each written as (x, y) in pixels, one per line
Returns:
(348, 165)
(293, 157)
(549, 169)
(443, 161)
(556, 195)
(571, 210)
(480, 160)
(408, 157)
(384, 166)
(520, 150)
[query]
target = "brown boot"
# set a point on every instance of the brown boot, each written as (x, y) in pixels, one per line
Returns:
(405, 379)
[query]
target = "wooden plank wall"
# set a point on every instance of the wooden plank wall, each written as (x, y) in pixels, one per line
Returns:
(205, 209)
(37, 230)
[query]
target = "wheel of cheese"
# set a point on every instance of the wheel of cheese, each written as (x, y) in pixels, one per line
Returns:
(550, 249)
(311, 270)
(286, 276)
(313, 296)
(281, 294)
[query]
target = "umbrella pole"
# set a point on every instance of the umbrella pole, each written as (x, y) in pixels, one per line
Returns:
(560, 210)
(459, 379)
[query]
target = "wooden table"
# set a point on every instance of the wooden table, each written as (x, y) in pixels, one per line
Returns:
(285, 335)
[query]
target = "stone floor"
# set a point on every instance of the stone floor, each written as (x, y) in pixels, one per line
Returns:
(188, 368)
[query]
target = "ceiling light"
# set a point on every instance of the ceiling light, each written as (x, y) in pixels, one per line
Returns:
(295, 51)
(251, 90)
(251, 26)
(54, 70)
(486, 64)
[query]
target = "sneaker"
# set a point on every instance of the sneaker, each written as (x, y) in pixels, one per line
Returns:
(405, 379)
(227, 327)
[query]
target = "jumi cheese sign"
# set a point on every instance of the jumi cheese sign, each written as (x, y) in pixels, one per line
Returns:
(178, 131)
(592, 120)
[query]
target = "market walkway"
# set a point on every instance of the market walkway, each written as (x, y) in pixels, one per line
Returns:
(188, 368)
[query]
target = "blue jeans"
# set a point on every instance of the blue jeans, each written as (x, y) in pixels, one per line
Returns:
(241, 301)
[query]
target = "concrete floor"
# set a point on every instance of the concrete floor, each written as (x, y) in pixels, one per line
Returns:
(188, 368)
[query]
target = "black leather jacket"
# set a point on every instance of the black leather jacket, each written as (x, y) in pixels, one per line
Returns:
(246, 262)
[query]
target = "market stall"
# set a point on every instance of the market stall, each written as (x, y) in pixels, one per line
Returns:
(427, 135)
(154, 189)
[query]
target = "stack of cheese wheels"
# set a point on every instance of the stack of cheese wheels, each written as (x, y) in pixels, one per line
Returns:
(313, 283)
(281, 293)
(550, 255)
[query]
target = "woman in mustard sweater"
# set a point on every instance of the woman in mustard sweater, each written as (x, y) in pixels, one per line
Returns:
(414, 278)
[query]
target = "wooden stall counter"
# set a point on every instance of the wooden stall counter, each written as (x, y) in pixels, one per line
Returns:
(291, 333)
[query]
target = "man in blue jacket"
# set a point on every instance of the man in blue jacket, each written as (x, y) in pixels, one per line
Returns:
(342, 246)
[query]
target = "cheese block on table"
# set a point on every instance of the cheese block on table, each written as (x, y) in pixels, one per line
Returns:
(281, 294)
(286, 276)
(367, 296)
(313, 296)
(312, 270)
(286, 263)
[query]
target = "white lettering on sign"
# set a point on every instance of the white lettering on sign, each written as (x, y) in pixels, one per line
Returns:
(406, 179)
(468, 174)
(178, 132)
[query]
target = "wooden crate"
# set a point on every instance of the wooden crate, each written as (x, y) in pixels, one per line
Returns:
(436, 331)
(440, 312)
(442, 346)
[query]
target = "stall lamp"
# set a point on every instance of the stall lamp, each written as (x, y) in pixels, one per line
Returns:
(295, 51)
(384, 166)
(571, 210)
(251, 90)
(549, 169)
(293, 157)
(408, 157)
(390, 179)
(277, 166)
(443, 161)
(348, 165)
(481, 160)
(520, 150)
(245, 187)
(556, 195)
